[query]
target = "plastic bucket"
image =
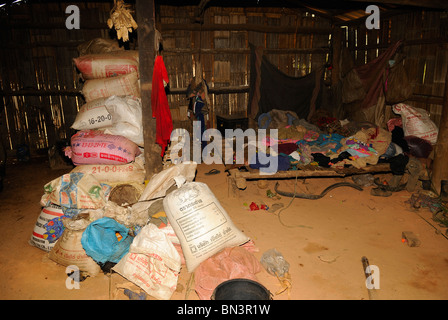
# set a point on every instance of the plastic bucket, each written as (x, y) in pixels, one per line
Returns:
(240, 289)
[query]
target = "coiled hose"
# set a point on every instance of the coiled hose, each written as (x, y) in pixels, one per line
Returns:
(316, 196)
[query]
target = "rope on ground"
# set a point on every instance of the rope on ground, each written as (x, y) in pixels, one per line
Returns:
(290, 202)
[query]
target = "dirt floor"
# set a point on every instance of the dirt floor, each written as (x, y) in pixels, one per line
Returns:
(323, 241)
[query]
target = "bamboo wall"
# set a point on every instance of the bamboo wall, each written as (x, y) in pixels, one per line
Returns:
(37, 52)
(36, 60)
(222, 48)
(424, 35)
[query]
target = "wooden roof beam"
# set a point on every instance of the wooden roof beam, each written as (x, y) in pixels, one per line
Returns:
(199, 11)
(433, 4)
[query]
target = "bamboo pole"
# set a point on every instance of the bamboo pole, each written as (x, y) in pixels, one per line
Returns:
(440, 165)
(40, 92)
(183, 27)
(336, 55)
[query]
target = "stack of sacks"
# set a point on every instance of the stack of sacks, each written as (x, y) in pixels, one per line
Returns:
(106, 152)
(112, 93)
(174, 222)
(110, 125)
(135, 240)
(109, 142)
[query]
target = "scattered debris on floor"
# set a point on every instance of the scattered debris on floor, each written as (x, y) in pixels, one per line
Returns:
(276, 265)
(410, 238)
(146, 234)
(428, 200)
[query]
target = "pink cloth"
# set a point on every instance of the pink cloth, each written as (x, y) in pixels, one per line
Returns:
(230, 263)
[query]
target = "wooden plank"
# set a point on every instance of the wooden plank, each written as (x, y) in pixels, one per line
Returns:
(236, 179)
(313, 172)
(175, 51)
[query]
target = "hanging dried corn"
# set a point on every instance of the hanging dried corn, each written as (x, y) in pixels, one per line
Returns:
(121, 18)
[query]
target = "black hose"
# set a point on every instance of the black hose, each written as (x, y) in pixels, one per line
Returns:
(316, 196)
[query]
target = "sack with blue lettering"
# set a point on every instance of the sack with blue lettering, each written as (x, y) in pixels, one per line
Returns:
(75, 192)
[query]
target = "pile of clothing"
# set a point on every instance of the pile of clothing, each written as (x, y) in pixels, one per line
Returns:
(301, 143)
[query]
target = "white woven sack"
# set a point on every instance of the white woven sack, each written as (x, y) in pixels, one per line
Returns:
(202, 225)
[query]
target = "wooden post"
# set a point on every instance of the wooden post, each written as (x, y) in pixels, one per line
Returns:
(146, 30)
(440, 165)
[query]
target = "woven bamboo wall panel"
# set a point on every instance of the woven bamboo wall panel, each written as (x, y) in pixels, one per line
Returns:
(39, 57)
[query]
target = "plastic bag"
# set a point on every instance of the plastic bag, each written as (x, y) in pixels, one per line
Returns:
(106, 240)
(274, 263)
(157, 187)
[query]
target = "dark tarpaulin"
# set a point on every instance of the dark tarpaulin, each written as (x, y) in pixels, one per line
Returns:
(272, 89)
(364, 83)
(363, 95)
(371, 75)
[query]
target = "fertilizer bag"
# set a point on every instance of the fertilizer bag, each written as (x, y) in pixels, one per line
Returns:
(104, 112)
(75, 192)
(123, 85)
(416, 122)
(113, 173)
(152, 263)
(68, 249)
(115, 115)
(96, 147)
(99, 45)
(93, 115)
(200, 222)
(105, 65)
(42, 237)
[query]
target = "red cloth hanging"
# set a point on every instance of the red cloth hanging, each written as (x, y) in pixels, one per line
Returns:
(159, 104)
